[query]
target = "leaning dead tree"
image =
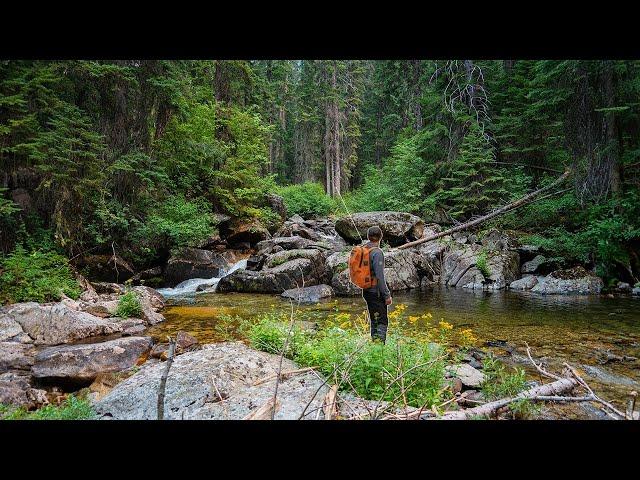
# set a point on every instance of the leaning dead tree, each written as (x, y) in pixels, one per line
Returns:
(507, 208)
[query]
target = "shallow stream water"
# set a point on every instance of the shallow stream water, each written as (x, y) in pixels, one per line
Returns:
(580, 330)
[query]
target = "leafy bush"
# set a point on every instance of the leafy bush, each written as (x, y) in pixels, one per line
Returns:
(40, 276)
(376, 371)
(177, 222)
(72, 408)
(129, 305)
(500, 383)
(307, 200)
(481, 264)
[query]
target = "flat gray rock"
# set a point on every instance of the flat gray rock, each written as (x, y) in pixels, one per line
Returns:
(83, 363)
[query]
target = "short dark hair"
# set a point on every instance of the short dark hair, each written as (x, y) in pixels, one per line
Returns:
(374, 233)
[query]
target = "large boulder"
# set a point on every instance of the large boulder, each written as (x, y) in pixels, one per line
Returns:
(220, 381)
(460, 268)
(53, 324)
(308, 294)
(397, 227)
(16, 390)
(498, 240)
(10, 330)
(105, 268)
(243, 234)
(293, 242)
(525, 283)
(576, 280)
(83, 363)
(283, 270)
(16, 356)
(533, 266)
(402, 271)
(197, 263)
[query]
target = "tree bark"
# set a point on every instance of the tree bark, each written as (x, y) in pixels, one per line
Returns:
(613, 144)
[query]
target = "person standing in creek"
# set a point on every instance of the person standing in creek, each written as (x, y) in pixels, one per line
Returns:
(366, 269)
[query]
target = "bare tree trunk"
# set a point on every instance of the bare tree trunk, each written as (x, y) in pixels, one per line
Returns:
(332, 136)
(613, 145)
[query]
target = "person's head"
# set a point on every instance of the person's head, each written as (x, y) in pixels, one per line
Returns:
(374, 234)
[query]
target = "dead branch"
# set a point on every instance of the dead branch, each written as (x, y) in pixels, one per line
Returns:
(330, 407)
(507, 208)
(265, 412)
(283, 375)
(163, 379)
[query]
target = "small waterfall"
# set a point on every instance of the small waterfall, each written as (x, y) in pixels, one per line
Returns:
(189, 287)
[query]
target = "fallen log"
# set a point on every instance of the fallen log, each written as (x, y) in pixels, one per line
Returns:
(553, 389)
(163, 380)
(507, 208)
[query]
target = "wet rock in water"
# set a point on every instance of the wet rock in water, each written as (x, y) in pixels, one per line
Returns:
(216, 382)
(459, 268)
(636, 291)
(82, 363)
(197, 263)
(469, 376)
(302, 269)
(16, 356)
(308, 294)
(105, 268)
(533, 266)
(16, 390)
(53, 324)
(397, 227)
(572, 281)
(623, 287)
(525, 283)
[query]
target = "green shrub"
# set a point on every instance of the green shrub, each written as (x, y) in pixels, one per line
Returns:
(501, 383)
(372, 366)
(481, 264)
(72, 408)
(129, 305)
(307, 200)
(177, 222)
(40, 276)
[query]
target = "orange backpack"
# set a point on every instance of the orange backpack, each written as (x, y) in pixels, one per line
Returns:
(360, 267)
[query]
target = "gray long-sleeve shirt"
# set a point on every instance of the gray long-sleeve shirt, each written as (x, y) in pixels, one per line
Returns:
(376, 257)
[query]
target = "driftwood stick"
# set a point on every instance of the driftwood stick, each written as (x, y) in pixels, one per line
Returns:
(163, 379)
(594, 396)
(330, 407)
(265, 412)
(507, 208)
(283, 376)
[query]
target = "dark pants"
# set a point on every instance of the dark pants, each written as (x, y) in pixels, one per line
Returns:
(377, 314)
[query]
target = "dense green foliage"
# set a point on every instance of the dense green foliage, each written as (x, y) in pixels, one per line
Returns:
(374, 370)
(139, 154)
(38, 275)
(129, 305)
(307, 200)
(72, 408)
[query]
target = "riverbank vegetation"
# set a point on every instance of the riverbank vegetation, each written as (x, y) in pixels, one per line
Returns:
(72, 408)
(136, 157)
